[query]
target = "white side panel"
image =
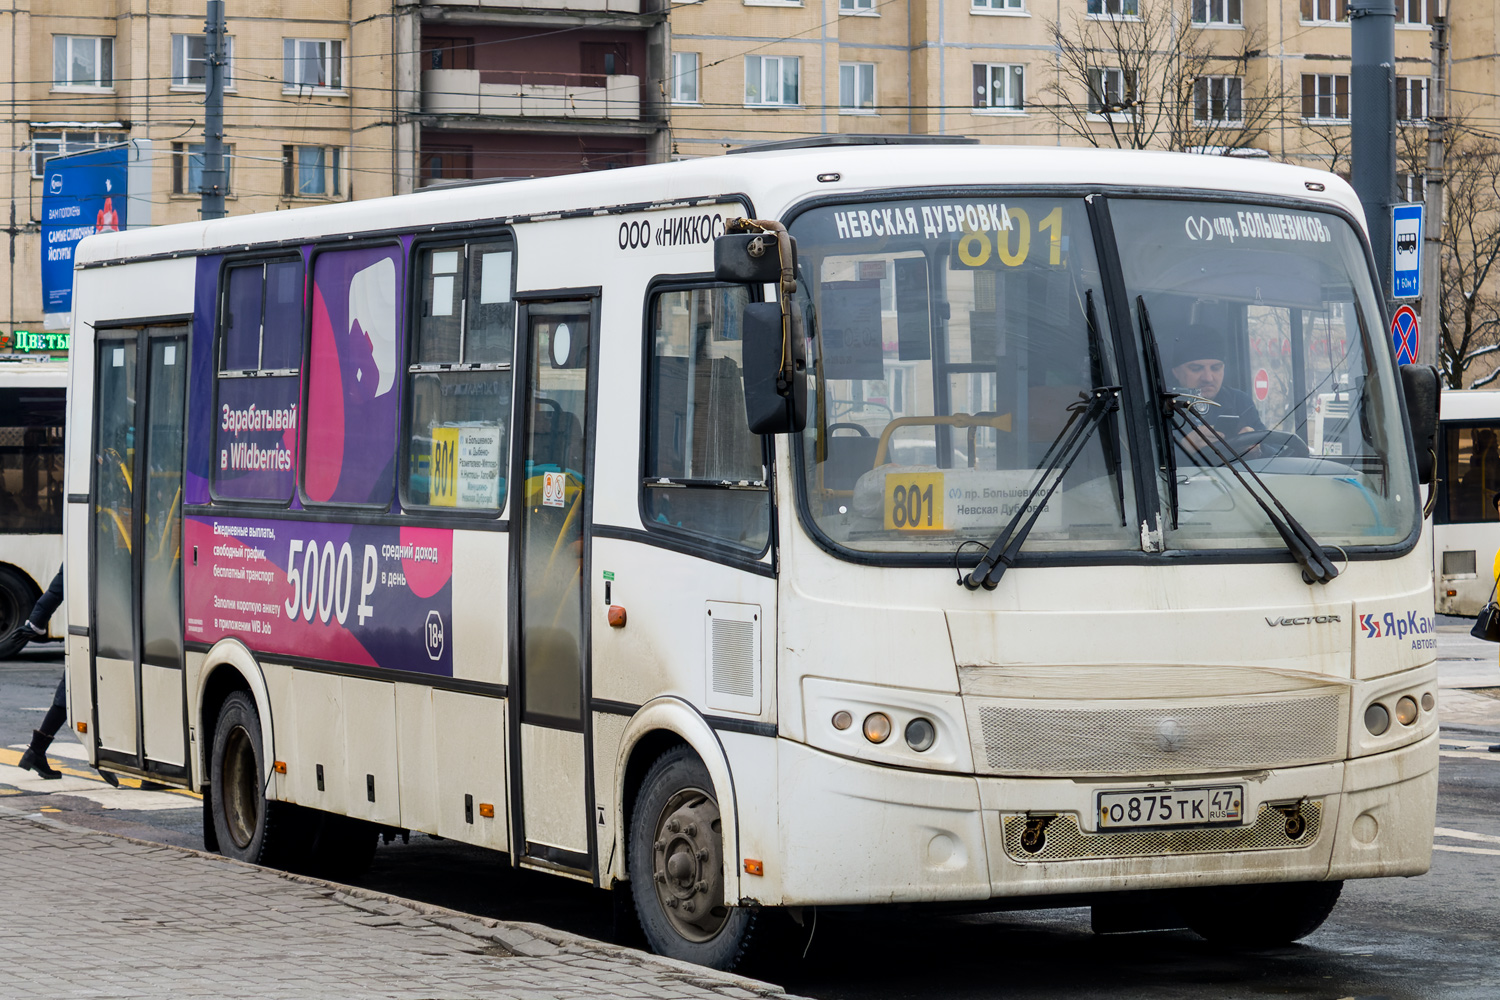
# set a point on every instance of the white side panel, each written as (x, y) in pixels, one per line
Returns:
(608, 729)
(115, 680)
(480, 574)
(80, 692)
(471, 741)
(296, 785)
(552, 788)
(161, 694)
(39, 556)
(371, 787)
(416, 757)
(319, 741)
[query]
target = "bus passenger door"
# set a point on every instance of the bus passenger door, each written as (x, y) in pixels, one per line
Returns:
(550, 642)
(135, 585)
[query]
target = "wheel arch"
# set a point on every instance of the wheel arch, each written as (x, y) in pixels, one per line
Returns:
(655, 728)
(228, 667)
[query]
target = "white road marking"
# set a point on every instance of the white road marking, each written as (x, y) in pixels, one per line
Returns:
(95, 790)
(1465, 850)
(1444, 831)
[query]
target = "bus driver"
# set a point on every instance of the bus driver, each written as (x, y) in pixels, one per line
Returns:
(1196, 358)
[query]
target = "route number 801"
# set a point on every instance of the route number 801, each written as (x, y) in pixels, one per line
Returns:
(913, 501)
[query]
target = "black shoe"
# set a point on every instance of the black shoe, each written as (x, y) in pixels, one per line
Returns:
(33, 761)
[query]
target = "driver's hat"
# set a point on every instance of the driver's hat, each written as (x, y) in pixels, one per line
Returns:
(1197, 342)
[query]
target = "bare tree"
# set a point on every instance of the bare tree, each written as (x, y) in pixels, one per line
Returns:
(1469, 308)
(1151, 78)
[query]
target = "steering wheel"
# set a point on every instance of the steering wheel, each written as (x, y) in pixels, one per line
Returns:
(1273, 444)
(863, 431)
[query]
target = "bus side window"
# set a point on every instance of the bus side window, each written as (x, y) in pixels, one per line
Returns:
(704, 471)
(457, 438)
(1473, 474)
(259, 380)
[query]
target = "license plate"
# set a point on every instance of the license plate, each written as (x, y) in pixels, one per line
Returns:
(1211, 805)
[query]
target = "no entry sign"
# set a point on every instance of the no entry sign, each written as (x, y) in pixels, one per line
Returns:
(1405, 335)
(1262, 385)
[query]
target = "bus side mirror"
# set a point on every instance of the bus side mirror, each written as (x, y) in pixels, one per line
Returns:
(773, 405)
(1419, 383)
(748, 258)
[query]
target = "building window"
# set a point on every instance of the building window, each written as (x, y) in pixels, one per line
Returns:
(45, 145)
(447, 163)
(1217, 12)
(1328, 11)
(1412, 187)
(1411, 98)
(312, 62)
(1418, 12)
(1009, 5)
(447, 53)
(459, 377)
(856, 6)
(260, 355)
(705, 471)
(83, 61)
(1111, 91)
(771, 80)
(1325, 96)
(1114, 8)
(999, 87)
(684, 78)
(857, 87)
(311, 171)
(187, 168)
(189, 65)
(1217, 100)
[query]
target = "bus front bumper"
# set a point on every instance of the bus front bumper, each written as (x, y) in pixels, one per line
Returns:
(858, 833)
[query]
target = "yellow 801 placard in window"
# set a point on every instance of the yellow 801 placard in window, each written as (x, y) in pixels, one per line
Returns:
(914, 501)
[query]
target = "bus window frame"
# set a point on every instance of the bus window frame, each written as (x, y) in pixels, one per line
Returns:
(429, 241)
(221, 293)
(1442, 485)
(391, 505)
(667, 536)
(1115, 304)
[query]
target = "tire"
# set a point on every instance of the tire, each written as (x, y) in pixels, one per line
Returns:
(676, 809)
(17, 597)
(1262, 915)
(247, 826)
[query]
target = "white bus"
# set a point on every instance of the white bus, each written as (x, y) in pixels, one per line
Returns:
(33, 404)
(1465, 520)
(444, 513)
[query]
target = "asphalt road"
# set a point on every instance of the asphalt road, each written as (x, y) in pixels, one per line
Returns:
(1427, 938)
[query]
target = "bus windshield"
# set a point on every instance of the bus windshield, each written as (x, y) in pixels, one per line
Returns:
(956, 337)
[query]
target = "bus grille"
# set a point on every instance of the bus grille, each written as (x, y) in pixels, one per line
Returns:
(1062, 840)
(1020, 739)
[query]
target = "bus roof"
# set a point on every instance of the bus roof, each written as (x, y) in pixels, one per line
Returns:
(34, 371)
(773, 179)
(1470, 404)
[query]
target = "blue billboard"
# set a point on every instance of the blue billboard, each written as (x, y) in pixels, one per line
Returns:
(82, 194)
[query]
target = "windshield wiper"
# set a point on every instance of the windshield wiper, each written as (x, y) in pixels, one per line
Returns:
(1316, 566)
(1087, 415)
(1109, 435)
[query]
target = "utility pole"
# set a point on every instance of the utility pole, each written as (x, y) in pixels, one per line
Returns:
(1372, 119)
(215, 178)
(1432, 220)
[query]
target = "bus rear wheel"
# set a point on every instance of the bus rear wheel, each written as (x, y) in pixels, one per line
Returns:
(246, 824)
(677, 866)
(16, 600)
(1261, 915)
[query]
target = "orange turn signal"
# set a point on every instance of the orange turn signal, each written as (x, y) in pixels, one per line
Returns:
(279, 767)
(83, 727)
(753, 867)
(487, 810)
(616, 616)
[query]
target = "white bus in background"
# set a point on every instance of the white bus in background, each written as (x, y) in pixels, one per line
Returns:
(33, 403)
(1465, 522)
(581, 519)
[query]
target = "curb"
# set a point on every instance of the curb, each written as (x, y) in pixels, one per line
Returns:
(523, 939)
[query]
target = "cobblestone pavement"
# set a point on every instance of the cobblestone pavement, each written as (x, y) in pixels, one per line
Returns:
(91, 915)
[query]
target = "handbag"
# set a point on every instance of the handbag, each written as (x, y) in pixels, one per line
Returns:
(1487, 624)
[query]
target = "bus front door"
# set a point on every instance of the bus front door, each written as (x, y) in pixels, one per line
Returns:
(135, 579)
(550, 640)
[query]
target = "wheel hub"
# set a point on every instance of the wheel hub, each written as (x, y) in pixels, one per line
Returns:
(241, 801)
(688, 865)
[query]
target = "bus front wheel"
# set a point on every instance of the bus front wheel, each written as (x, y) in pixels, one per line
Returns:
(677, 866)
(1261, 915)
(245, 822)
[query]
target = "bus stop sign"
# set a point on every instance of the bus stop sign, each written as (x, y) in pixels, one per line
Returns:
(1406, 251)
(1405, 336)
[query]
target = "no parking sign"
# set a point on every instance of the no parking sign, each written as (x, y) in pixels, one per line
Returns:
(1405, 335)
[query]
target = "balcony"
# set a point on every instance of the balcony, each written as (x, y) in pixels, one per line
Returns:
(553, 6)
(512, 94)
